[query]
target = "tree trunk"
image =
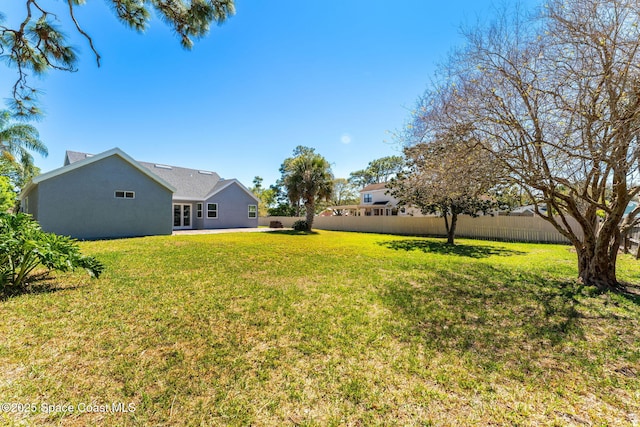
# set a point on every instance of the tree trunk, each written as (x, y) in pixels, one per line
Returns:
(597, 270)
(597, 259)
(311, 209)
(597, 248)
(451, 233)
(451, 228)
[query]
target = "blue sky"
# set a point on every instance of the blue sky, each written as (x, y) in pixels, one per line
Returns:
(339, 76)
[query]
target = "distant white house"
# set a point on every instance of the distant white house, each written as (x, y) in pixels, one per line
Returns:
(375, 201)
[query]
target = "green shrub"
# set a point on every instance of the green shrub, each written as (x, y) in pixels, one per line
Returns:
(282, 209)
(301, 225)
(24, 247)
(7, 195)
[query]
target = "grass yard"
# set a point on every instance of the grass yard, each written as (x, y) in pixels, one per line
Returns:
(328, 329)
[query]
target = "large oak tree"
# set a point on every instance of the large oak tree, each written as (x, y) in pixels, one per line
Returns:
(556, 98)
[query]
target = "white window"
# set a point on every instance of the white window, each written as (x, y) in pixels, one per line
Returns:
(212, 210)
(199, 210)
(125, 194)
(253, 211)
(367, 198)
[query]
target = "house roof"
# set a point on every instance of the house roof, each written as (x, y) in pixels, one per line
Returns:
(373, 187)
(224, 183)
(189, 184)
(74, 156)
(87, 159)
(529, 208)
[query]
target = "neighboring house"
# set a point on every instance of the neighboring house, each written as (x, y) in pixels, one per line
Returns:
(528, 210)
(111, 195)
(374, 201)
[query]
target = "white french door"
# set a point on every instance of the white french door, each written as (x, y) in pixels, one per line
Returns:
(181, 216)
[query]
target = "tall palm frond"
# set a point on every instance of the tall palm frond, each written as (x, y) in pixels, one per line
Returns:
(17, 141)
(18, 138)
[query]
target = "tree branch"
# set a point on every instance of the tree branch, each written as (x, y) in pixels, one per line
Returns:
(81, 31)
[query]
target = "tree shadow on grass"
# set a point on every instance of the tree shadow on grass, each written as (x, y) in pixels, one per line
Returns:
(518, 324)
(295, 233)
(630, 292)
(38, 284)
(493, 314)
(431, 246)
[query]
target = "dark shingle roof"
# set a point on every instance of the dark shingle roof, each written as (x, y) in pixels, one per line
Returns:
(74, 156)
(189, 183)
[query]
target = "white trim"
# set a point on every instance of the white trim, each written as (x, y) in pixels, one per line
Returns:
(199, 210)
(182, 226)
(124, 194)
(249, 212)
(214, 210)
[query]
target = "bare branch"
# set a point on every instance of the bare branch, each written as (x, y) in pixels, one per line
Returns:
(81, 31)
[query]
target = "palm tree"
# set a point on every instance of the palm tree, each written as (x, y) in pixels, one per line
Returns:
(308, 178)
(16, 142)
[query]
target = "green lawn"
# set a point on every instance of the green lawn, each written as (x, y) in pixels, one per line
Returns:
(332, 328)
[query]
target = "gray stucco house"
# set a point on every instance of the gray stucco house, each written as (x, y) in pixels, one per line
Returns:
(111, 195)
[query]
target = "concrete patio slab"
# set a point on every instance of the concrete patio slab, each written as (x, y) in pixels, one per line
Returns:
(228, 230)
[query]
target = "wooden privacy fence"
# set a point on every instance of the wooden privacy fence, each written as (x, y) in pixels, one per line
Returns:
(632, 242)
(508, 228)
